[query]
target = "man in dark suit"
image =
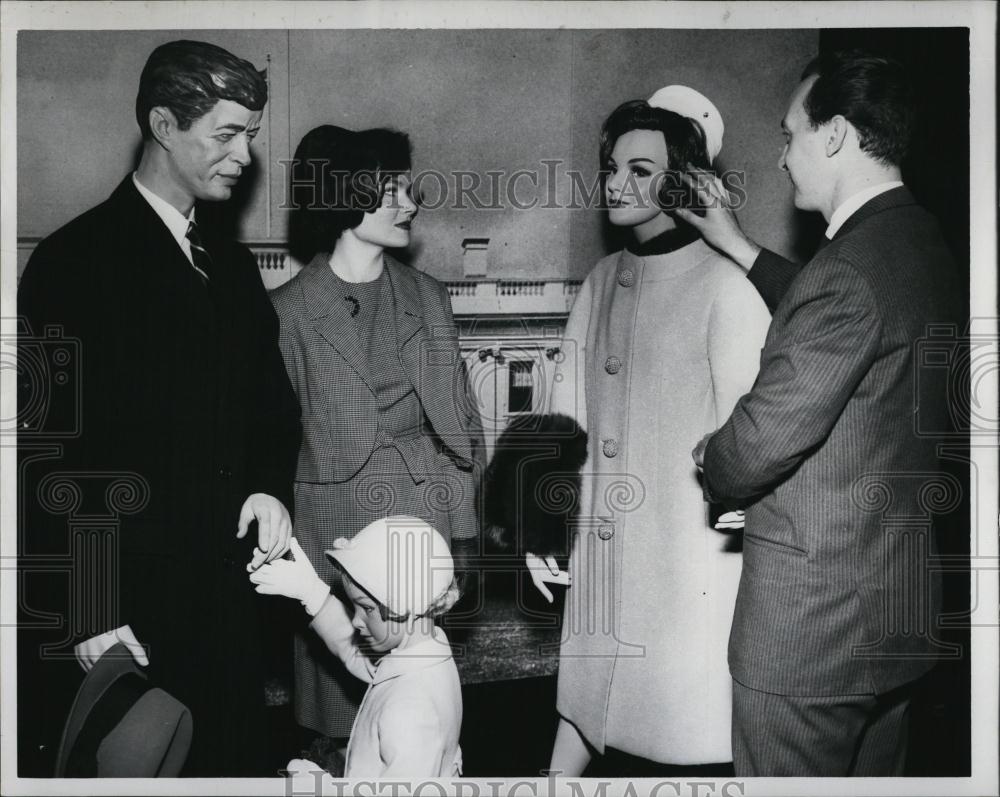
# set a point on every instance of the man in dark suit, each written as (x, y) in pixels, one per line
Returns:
(835, 614)
(141, 479)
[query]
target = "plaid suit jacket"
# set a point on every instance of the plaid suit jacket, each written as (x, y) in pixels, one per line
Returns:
(325, 362)
(836, 596)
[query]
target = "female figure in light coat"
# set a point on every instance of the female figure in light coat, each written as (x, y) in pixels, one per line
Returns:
(663, 339)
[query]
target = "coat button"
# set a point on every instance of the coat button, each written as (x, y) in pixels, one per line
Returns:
(606, 531)
(610, 447)
(612, 365)
(626, 278)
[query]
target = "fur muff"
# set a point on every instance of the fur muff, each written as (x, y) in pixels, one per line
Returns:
(533, 484)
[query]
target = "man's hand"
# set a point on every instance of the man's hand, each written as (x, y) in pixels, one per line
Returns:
(719, 226)
(542, 570)
(90, 650)
(699, 451)
(274, 527)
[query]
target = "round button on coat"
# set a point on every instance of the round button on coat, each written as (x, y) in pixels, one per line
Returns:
(610, 447)
(612, 365)
(606, 531)
(626, 278)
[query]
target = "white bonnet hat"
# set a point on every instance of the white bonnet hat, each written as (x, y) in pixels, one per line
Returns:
(401, 561)
(696, 106)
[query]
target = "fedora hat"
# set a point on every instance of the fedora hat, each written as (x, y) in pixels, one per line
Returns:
(121, 726)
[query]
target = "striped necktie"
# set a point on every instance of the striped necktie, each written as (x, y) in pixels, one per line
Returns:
(200, 257)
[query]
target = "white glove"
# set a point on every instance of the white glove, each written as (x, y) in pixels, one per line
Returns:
(730, 520)
(302, 766)
(547, 569)
(293, 578)
(307, 777)
(90, 650)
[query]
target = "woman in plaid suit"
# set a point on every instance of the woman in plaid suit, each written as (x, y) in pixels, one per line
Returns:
(389, 424)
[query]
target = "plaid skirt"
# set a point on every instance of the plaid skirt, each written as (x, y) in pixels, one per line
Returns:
(327, 696)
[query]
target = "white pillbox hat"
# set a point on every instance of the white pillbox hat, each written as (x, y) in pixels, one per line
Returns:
(696, 106)
(401, 561)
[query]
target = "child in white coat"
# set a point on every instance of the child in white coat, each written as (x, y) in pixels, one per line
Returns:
(398, 575)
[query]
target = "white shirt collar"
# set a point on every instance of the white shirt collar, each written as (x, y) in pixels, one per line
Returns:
(854, 202)
(171, 216)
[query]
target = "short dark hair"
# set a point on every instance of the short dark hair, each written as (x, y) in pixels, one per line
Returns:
(338, 175)
(873, 93)
(684, 137)
(190, 77)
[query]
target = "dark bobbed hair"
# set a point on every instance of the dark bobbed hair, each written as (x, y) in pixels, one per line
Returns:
(684, 137)
(874, 94)
(190, 77)
(338, 175)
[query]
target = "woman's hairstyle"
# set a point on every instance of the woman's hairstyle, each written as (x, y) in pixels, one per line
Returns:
(190, 77)
(684, 137)
(338, 175)
(874, 94)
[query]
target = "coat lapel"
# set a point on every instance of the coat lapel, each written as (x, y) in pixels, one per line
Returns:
(410, 333)
(144, 230)
(428, 355)
(893, 198)
(409, 313)
(153, 256)
(331, 315)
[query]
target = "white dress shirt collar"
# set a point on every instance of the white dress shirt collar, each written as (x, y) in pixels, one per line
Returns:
(176, 222)
(854, 202)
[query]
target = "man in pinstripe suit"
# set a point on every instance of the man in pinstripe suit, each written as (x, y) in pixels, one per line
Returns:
(835, 613)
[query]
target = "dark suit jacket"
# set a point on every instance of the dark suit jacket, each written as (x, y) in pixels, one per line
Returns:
(182, 400)
(836, 597)
(325, 361)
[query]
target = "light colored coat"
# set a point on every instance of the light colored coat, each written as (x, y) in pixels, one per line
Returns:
(411, 716)
(657, 351)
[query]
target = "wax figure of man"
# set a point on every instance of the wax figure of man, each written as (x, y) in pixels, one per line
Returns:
(186, 427)
(834, 615)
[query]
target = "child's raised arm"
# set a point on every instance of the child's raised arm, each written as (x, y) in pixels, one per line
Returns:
(298, 579)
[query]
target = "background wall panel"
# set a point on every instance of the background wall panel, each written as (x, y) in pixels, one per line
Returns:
(76, 131)
(488, 103)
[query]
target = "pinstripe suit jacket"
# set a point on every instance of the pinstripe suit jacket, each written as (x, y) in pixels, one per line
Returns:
(835, 595)
(326, 364)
